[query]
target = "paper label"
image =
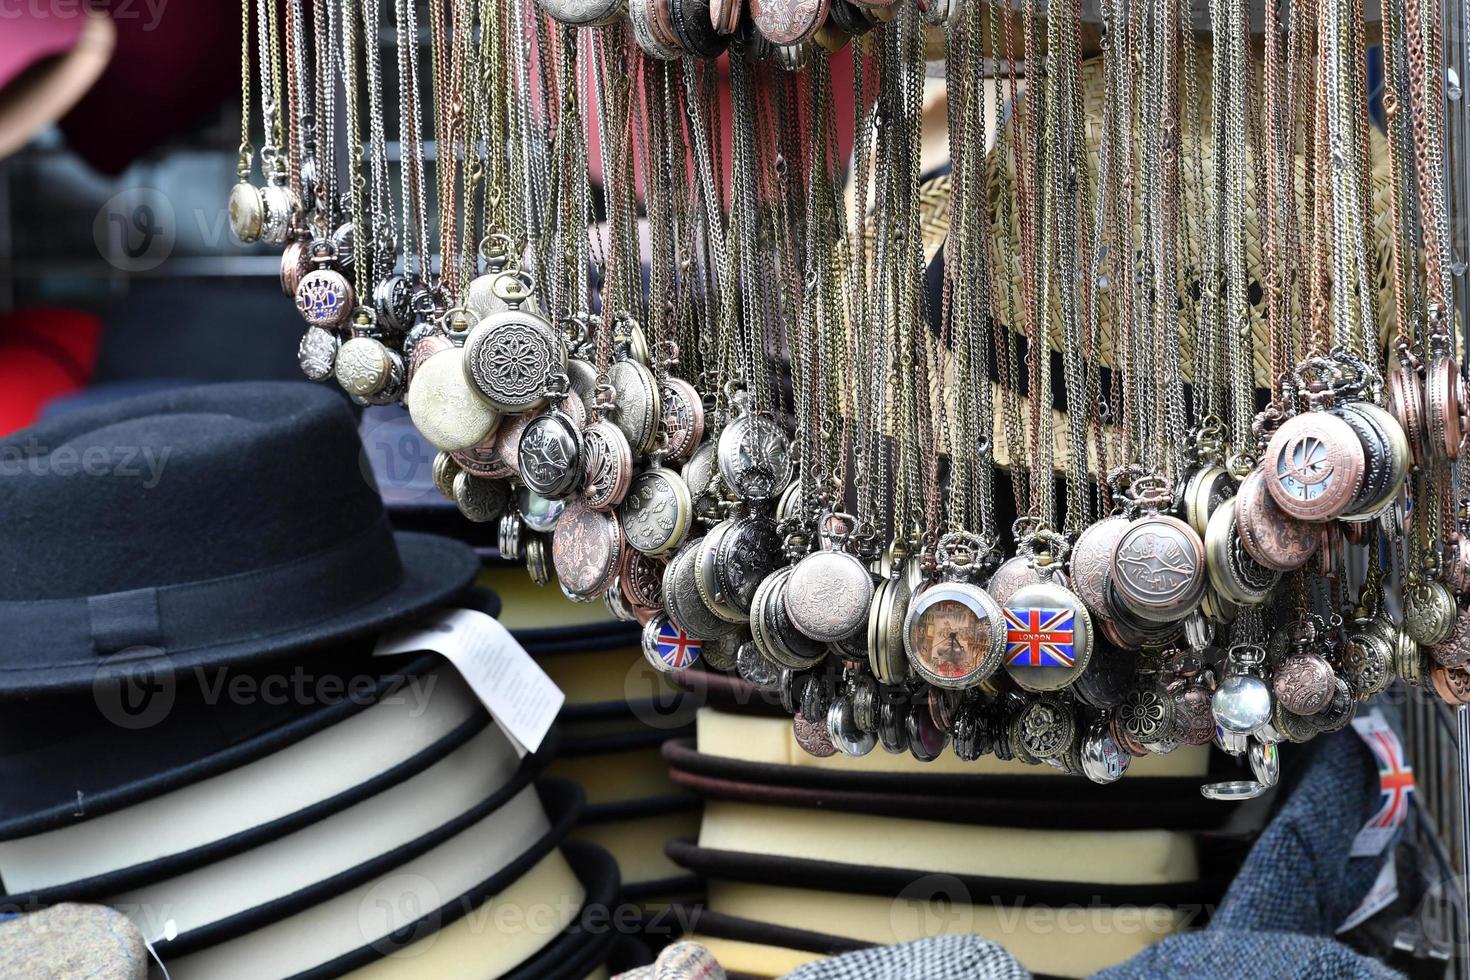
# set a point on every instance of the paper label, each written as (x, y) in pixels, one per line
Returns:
(514, 689)
(1385, 889)
(1395, 783)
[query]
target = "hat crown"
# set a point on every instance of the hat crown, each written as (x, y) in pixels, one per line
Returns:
(180, 486)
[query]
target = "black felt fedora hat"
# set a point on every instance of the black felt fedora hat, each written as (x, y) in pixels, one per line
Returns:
(217, 525)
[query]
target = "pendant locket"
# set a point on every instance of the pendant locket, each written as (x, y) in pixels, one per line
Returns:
(754, 454)
(512, 355)
(954, 632)
(1048, 639)
(1314, 466)
(550, 452)
(657, 510)
(829, 595)
(447, 410)
(324, 296)
(1158, 569)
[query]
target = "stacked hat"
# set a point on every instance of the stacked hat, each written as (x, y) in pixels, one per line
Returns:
(809, 856)
(618, 714)
(194, 730)
(618, 711)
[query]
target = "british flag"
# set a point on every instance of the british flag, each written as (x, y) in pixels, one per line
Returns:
(675, 647)
(1395, 780)
(1040, 637)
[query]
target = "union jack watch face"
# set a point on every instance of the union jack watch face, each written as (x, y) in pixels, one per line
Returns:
(1048, 637)
(667, 647)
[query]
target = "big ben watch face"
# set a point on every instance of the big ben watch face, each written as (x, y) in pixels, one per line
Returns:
(952, 635)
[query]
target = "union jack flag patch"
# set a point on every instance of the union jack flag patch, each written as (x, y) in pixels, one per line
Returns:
(1040, 637)
(675, 647)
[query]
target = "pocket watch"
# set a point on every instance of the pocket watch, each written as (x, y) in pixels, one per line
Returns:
(1048, 636)
(1242, 702)
(1207, 487)
(788, 21)
(317, 353)
(682, 600)
(609, 459)
(478, 499)
(1454, 649)
(1103, 760)
(968, 734)
(638, 410)
(735, 559)
(324, 296)
(954, 632)
(508, 536)
(1314, 466)
(668, 648)
(702, 476)
(640, 15)
(539, 513)
(550, 454)
(1194, 721)
(442, 471)
(829, 595)
(277, 206)
(721, 652)
(641, 580)
(1045, 728)
(812, 737)
(1367, 659)
(1090, 561)
(446, 409)
(1386, 432)
(1444, 407)
(1147, 711)
(924, 739)
(1382, 473)
(1303, 683)
(582, 13)
(753, 454)
(1109, 676)
(844, 732)
(1269, 534)
(694, 29)
(295, 263)
(1452, 684)
(657, 510)
(585, 549)
(1406, 399)
(1430, 612)
(683, 419)
(511, 356)
(247, 212)
(1158, 569)
(538, 560)
(887, 654)
(771, 631)
(1232, 570)
(367, 369)
(755, 669)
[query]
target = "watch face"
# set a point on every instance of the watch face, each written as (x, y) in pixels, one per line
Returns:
(952, 634)
(1048, 637)
(1314, 466)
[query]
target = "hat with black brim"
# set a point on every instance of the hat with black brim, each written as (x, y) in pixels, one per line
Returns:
(208, 526)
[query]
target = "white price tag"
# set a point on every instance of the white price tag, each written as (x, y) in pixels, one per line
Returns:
(513, 687)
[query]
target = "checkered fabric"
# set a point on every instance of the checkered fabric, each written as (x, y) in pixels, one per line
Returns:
(939, 958)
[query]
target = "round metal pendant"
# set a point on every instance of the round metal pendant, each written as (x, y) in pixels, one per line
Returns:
(1430, 613)
(509, 535)
(247, 213)
(657, 511)
(1159, 568)
(1238, 576)
(682, 599)
(325, 298)
(1103, 759)
(754, 457)
(1269, 534)
(887, 657)
(702, 476)
(1452, 684)
(1015, 574)
(1146, 713)
(1044, 728)
(511, 356)
(539, 513)
(482, 501)
(445, 408)
(1109, 676)
(925, 741)
(1367, 659)
(1194, 721)
(746, 553)
(812, 737)
(771, 631)
(609, 465)
(1206, 489)
(585, 549)
(443, 471)
(683, 419)
(393, 303)
(1242, 703)
(720, 653)
(1303, 683)
(1314, 466)
(1265, 763)
(538, 560)
(484, 460)
(1444, 402)
(829, 595)
(755, 669)
(581, 12)
(1377, 464)
(788, 21)
(843, 730)
(1398, 447)
(668, 648)
(583, 377)
(277, 205)
(1406, 402)
(1091, 561)
(638, 409)
(641, 580)
(640, 15)
(954, 635)
(1234, 790)
(362, 366)
(550, 454)
(317, 353)
(1048, 637)
(1454, 649)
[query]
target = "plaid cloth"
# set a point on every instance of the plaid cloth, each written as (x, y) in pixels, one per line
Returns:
(1276, 922)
